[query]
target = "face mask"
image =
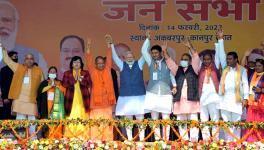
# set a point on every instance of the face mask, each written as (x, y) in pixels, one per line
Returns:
(52, 75)
(184, 63)
(15, 60)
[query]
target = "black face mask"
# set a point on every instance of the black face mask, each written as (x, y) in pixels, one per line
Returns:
(15, 60)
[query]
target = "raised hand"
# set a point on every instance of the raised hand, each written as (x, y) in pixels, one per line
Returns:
(164, 46)
(2, 46)
(248, 52)
(109, 40)
(164, 49)
(148, 34)
(187, 42)
(220, 34)
(88, 45)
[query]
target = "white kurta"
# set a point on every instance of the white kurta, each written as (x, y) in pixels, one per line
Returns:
(228, 101)
(157, 102)
(130, 105)
(209, 94)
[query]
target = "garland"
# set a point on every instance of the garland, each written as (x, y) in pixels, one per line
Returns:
(6, 124)
(78, 144)
(253, 127)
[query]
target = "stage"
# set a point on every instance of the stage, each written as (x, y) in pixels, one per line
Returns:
(22, 140)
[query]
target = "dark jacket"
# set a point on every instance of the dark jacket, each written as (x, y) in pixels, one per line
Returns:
(192, 83)
(85, 85)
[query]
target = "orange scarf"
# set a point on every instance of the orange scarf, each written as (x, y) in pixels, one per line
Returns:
(17, 82)
(208, 72)
(237, 81)
(52, 89)
(253, 83)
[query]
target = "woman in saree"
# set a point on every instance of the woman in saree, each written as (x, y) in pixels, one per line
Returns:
(255, 110)
(50, 102)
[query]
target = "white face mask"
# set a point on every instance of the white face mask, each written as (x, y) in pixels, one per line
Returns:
(52, 75)
(184, 63)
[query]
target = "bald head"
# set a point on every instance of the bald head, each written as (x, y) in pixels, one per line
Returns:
(29, 60)
(29, 55)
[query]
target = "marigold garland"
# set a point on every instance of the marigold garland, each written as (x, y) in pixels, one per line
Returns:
(15, 124)
(74, 143)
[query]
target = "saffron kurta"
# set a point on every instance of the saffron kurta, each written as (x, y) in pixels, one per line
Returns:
(102, 96)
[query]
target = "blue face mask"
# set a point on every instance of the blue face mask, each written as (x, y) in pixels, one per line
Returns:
(184, 63)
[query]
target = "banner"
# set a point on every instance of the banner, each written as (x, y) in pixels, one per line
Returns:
(43, 24)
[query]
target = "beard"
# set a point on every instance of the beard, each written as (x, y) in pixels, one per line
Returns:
(130, 63)
(9, 42)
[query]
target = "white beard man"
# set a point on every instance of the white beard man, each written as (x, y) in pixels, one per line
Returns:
(9, 20)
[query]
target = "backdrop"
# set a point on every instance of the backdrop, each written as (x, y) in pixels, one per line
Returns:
(44, 23)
